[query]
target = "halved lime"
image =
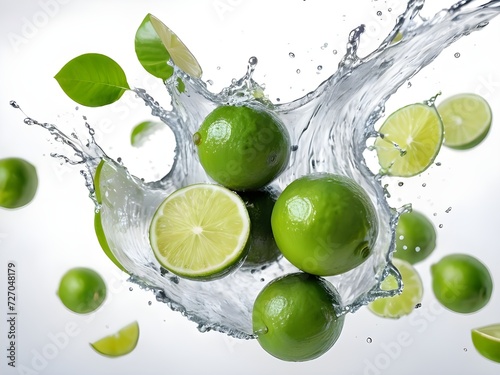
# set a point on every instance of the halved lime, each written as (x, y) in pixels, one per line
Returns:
(466, 120)
(179, 53)
(486, 340)
(119, 343)
(409, 140)
(404, 303)
(200, 231)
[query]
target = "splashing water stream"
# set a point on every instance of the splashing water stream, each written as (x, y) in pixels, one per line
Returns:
(329, 129)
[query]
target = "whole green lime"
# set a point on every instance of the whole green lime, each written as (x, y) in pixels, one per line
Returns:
(241, 147)
(82, 290)
(324, 224)
(18, 182)
(262, 248)
(294, 317)
(415, 237)
(461, 283)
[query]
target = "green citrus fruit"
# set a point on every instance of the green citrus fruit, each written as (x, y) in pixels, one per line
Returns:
(461, 283)
(410, 140)
(241, 147)
(294, 317)
(404, 303)
(466, 120)
(18, 182)
(200, 231)
(82, 290)
(324, 224)
(415, 237)
(486, 340)
(262, 248)
(119, 343)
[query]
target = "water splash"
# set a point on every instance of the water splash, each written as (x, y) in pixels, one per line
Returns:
(329, 129)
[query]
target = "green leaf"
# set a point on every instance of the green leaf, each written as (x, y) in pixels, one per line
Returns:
(151, 52)
(93, 80)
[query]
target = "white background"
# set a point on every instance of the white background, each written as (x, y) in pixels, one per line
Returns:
(55, 232)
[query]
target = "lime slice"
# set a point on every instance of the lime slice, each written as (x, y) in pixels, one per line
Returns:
(143, 131)
(486, 340)
(200, 231)
(179, 53)
(103, 173)
(410, 140)
(466, 120)
(404, 303)
(119, 343)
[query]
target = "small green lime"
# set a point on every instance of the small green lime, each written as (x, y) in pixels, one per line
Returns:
(294, 317)
(262, 248)
(241, 147)
(461, 283)
(82, 290)
(324, 224)
(415, 237)
(18, 182)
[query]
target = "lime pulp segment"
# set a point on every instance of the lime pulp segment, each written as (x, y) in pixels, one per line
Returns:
(404, 303)
(466, 120)
(410, 140)
(119, 343)
(200, 231)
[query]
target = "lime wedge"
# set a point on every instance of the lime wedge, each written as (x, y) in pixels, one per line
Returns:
(466, 120)
(179, 53)
(404, 303)
(200, 231)
(486, 340)
(119, 343)
(409, 140)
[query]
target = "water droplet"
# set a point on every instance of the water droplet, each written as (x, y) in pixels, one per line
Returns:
(417, 249)
(435, 214)
(150, 303)
(14, 104)
(418, 305)
(400, 183)
(262, 280)
(28, 121)
(448, 210)
(131, 289)
(465, 349)
(196, 138)
(294, 147)
(291, 54)
(457, 54)
(320, 67)
(253, 61)
(379, 13)
(389, 10)
(405, 247)
(298, 71)
(218, 68)
(278, 99)
(440, 225)
(210, 82)
(424, 184)
(401, 237)
(369, 340)
(324, 46)
(334, 51)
